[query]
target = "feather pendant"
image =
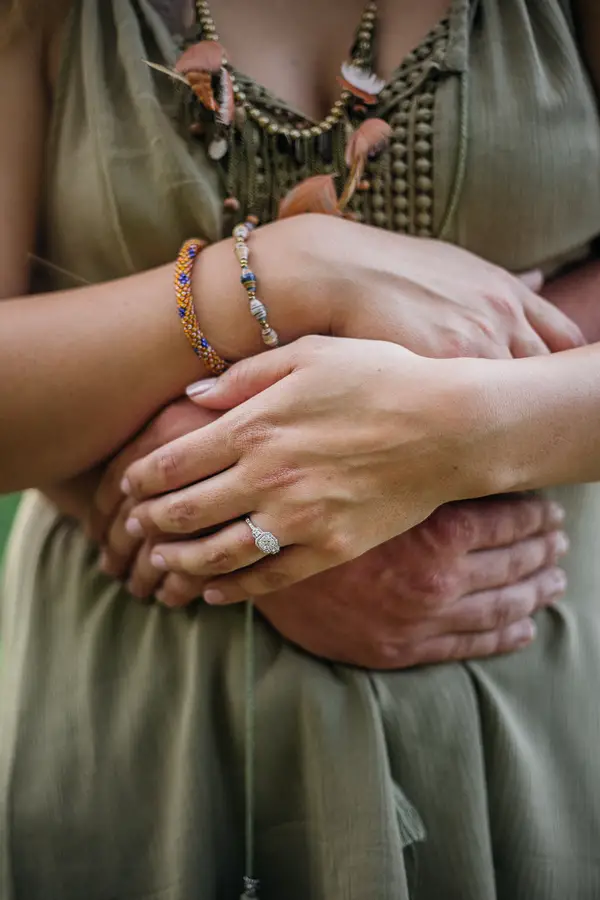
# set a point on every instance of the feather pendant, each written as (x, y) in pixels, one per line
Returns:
(313, 195)
(166, 71)
(206, 56)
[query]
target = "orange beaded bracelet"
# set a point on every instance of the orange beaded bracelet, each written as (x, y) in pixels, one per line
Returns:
(185, 304)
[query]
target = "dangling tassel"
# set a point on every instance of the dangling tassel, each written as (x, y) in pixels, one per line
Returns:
(251, 884)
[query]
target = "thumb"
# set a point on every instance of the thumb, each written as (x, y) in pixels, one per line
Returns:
(244, 380)
(534, 280)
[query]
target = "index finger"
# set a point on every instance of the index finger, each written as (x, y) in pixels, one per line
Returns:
(189, 459)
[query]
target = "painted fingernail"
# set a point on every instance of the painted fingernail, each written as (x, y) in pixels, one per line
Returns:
(125, 486)
(158, 561)
(134, 527)
(562, 543)
(201, 387)
(214, 597)
(557, 514)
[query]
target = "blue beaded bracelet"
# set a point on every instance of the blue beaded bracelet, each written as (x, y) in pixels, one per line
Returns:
(241, 233)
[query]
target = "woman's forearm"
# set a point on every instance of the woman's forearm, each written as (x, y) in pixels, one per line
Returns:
(538, 422)
(83, 370)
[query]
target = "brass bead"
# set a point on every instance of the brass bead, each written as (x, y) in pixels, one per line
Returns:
(254, 113)
(331, 120)
(423, 165)
(294, 134)
(241, 96)
(400, 201)
(263, 121)
(401, 221)
(379, 218)
(364, 36)
(423, 201)
(273, 128)
(305, 132)
(316, 131)
(285, 130)
(326, 126)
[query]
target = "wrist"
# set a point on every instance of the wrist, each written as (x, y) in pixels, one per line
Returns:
(484, 413)
(295, 304)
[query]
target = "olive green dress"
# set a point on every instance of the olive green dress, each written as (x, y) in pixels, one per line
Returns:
(121, 729)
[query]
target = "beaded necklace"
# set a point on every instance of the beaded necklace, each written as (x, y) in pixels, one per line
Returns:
(357, 79)
(244, 133)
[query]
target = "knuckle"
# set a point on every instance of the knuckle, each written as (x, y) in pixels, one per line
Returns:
(278, 478)
(338, 546)
(181, 513)
(438, 586)
(167, 466)
(505, 609)
(273, 579)
(248, 434)
(501, 301)
(218, 560)
(453, 527)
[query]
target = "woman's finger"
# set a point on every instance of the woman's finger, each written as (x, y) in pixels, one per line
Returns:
(197, 455)
(553, 326)
(270, 574)
(232, 547)
(246, 379)
(497, 609)
(486, 569)
(145, 578)
(224, 498)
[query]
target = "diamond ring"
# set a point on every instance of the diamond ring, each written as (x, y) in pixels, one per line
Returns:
(266, 542)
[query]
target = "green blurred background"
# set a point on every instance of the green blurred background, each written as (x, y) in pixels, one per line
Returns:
(8, 506)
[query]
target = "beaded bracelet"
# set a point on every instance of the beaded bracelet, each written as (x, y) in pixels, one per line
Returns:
(185, 304)
(258, 309)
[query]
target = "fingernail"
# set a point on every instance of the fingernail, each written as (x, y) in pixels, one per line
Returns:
(526, 632)
(134, 528)
(559, 580)
(201, 387)
(165, 599)
(562, 543)
(557, 514)
(214, 597)
(158, 561)
(126, 486)
(104, 563)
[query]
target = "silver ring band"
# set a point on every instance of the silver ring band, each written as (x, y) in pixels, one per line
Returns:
(266, 542)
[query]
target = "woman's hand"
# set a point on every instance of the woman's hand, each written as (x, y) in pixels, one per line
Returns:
(345, 445)
(324, 275)
(465, 583)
